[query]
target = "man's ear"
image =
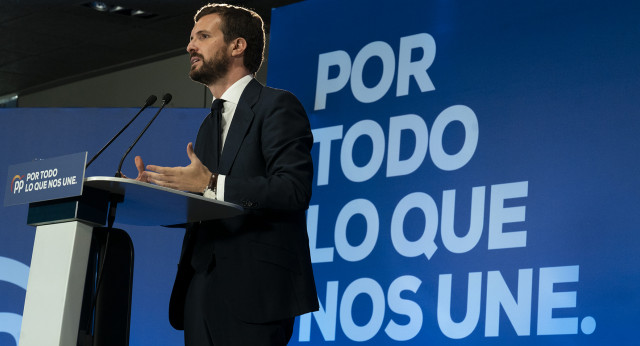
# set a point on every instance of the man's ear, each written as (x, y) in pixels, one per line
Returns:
(238, 46)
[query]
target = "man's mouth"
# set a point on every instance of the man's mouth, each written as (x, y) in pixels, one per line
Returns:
(195, 59)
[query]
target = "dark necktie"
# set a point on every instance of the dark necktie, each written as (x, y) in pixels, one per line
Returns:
(209, 141)
(216, 112)
(208, 149)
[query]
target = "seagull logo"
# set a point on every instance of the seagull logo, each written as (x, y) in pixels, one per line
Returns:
(16, 273)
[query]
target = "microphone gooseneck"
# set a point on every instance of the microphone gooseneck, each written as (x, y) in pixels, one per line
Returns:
(165, 100)
(150, 100)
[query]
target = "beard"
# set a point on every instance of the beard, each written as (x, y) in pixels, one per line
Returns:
(212, 70)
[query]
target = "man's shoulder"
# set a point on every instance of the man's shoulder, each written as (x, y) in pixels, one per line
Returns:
(269, 95)
(275, 92)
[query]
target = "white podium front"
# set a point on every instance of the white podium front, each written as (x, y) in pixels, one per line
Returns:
(63, 238)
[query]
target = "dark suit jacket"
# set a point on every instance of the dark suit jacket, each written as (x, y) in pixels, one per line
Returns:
(262, 256)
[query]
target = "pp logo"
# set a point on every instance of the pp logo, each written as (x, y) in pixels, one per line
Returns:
(17, 184)
(16, 273)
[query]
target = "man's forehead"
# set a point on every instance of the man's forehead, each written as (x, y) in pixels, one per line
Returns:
(208, 22)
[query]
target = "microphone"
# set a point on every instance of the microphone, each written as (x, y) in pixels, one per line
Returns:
(165, 100)
(150, 100)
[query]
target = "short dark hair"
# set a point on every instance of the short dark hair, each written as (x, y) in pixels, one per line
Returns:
(240, 22)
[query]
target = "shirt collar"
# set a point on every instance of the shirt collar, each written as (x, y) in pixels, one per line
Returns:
(235, 90)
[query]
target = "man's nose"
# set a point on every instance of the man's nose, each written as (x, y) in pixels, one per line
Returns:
(191, 47)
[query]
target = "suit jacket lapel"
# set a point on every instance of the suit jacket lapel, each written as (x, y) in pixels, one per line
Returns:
(242, 119)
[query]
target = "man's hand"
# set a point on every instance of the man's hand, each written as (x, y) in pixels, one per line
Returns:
(193, 178)
(142, 175)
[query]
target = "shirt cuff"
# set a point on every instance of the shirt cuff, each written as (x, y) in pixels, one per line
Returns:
(220, 187)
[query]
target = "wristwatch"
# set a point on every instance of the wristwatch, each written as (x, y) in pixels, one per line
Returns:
(212, 187)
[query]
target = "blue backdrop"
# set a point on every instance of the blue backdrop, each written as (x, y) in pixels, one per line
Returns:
(476, 173)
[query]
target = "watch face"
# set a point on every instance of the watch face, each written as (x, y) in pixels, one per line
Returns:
(209, 193)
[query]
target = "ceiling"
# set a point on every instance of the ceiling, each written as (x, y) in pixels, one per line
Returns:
(46, 43)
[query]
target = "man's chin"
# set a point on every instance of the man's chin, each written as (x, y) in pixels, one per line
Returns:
(196, 76)
(194, 70)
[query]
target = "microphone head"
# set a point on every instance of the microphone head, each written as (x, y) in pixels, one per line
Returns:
(150, 100)
(166, 98)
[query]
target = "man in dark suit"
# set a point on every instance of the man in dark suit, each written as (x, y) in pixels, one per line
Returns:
(241, 281)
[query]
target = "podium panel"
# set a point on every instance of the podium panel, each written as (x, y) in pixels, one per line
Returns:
(56, 283)
(146, 204)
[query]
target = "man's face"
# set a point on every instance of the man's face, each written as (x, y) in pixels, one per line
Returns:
(208, 51)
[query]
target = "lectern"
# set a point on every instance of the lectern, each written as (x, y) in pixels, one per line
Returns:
(61, 251)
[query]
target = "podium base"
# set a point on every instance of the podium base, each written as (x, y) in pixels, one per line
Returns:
(106, 307)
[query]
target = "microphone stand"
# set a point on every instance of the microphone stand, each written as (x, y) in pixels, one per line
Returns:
(165, 100)
(150, 100)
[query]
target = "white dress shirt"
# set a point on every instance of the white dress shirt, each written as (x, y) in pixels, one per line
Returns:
(231, 98)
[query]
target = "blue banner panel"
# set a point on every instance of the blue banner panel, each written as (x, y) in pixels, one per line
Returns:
(476, 177)
(43, 180)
